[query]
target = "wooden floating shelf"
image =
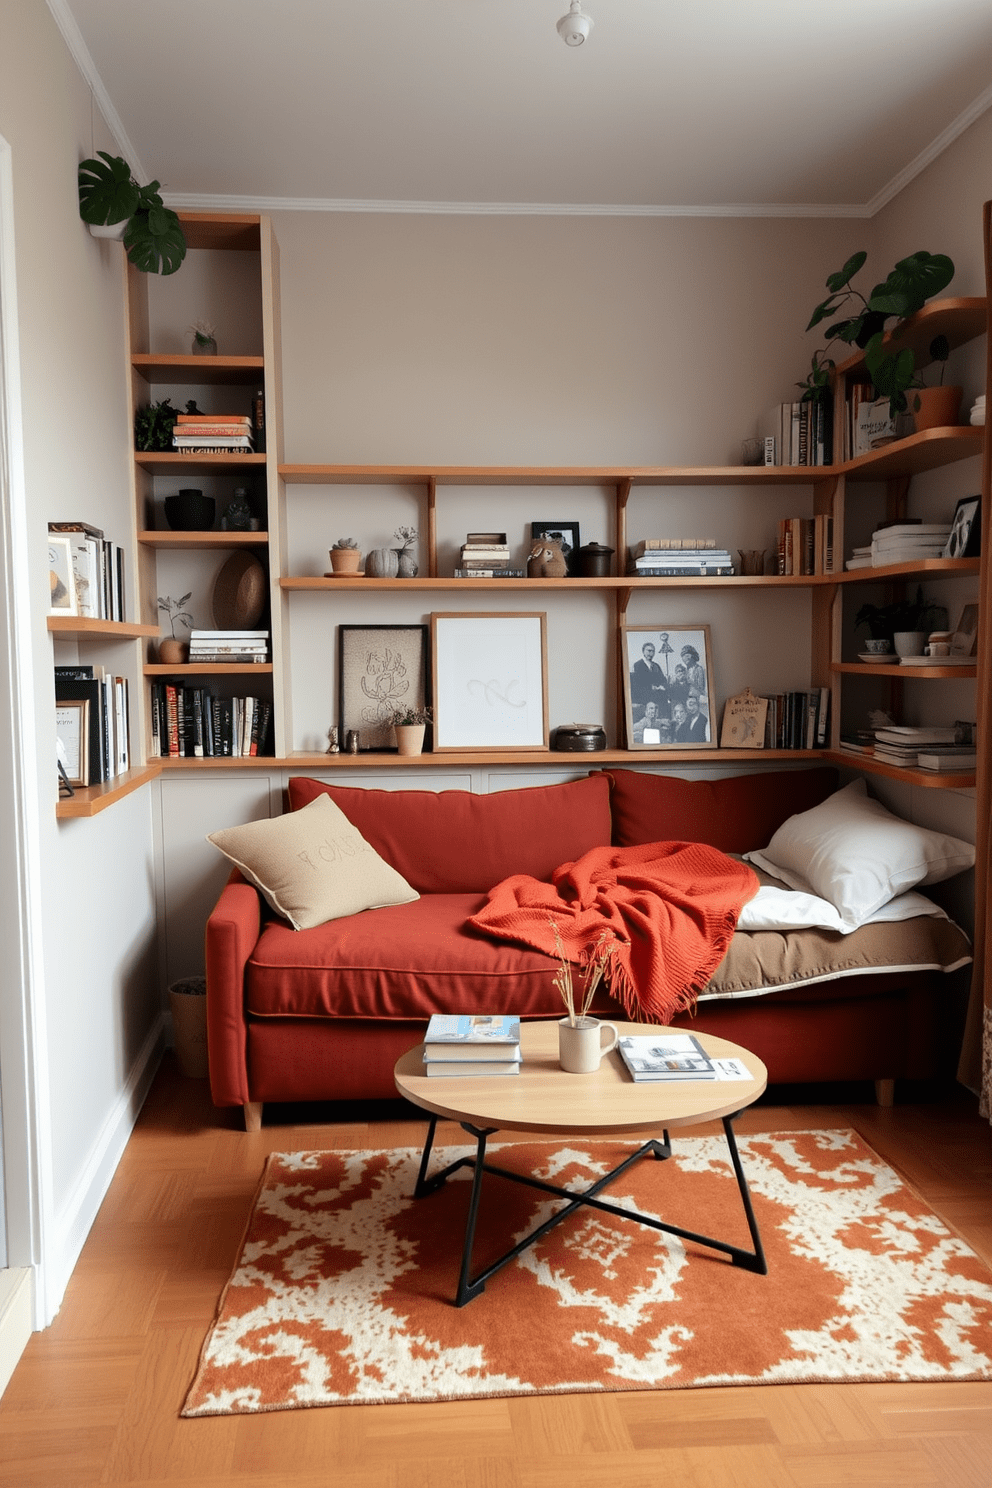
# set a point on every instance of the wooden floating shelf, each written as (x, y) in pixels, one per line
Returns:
(209, 539)
(208, 669)
(769, 581)
(161, 462)
(960, 319)
(83, 628)
(929, 779)
(933, 567)
(930, 450)
(556, 475)
(89, 800)
(893, 671)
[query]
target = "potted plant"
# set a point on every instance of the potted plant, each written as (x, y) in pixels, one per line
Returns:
(153, 426)
(345, 556)
(112, 204)
(918, 616)
(406, 563)
(172, 651)
(204, 341)
(409, 727)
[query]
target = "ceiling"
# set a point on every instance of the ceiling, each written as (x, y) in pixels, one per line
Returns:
(750, 107)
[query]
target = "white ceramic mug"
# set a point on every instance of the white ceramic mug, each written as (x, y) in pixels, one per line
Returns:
(581, 1046)
(938, 648)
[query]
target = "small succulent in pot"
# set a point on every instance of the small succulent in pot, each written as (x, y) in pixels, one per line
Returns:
(204, 338)
(346, 542)
(413, 717)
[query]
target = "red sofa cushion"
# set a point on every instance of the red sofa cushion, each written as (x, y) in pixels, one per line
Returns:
(404, 961)
(457, 842)
(736, 815)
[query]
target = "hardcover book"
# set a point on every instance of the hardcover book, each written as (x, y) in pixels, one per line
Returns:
(473, 1028)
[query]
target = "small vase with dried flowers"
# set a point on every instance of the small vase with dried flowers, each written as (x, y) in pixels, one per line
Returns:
(583, 1040)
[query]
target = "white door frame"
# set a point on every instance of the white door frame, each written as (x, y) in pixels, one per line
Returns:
(23, 1065)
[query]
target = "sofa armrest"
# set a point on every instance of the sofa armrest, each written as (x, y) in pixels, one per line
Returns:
(232, 932)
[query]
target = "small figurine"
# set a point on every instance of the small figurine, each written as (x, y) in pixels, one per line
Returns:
(546, 560)
(352, 741)
(333, 747)
(238, 517)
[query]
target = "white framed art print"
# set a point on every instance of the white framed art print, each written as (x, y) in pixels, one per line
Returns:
(490, 681)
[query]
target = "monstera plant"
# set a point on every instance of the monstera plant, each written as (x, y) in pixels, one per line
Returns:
(109, 197)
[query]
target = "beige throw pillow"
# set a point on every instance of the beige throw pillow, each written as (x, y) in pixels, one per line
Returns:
(312, 865)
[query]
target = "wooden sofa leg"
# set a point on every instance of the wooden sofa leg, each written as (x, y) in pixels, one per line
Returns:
(253, 1116)
(885, 1092)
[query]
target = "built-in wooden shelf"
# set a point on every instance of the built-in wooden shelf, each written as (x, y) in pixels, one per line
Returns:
(208, 669)
(934, 568)
(80, 628)
(894, 671)
(769, 581)
(929, 779)
(89, 800)
(209, 539)
(555, 475)
(960, 319)
(164, 462)
(928, 450)
(194, 371)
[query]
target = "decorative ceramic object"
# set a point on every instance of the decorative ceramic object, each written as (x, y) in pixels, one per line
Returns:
(752, 561)
(190, 511)
(240, 593)
(172, 652)
(910, 642)
(935, 407)
(582, 1044)
(409, 737)
(204, 341)
(876, 647)
(239, 517)
(593, 561)
(406, 564)
(382, 563)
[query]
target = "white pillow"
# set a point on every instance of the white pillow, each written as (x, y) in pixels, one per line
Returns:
(312, 865)
(852, 852)
(792, 909)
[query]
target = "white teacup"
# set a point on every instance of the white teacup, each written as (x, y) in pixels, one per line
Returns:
(938, 648)
(581, 1045)
(875, 647)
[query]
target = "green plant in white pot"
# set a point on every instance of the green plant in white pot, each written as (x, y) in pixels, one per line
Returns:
(112, 204)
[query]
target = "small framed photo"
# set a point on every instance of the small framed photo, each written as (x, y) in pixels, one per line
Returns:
(61, 579)
(567, 533)
(383, 672)
(964, 640)
(965, 540)
(490, 681)
(72, 739)
(668, 691)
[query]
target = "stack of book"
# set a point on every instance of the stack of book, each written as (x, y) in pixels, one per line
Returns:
(191, 723)
(860, 558)
(679, 557)
(98, 569)
(107, 750)
(213, 434)
(458, 1044)
(805, 545)
(799, 434)
(241, 647)
(486, 555)
(948, 759)
(901, 745)
(908, 542)
(666, 1056)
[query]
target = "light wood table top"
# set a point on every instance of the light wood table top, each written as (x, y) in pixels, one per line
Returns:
(607, 1102)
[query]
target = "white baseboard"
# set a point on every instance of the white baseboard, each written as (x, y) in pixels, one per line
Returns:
(76, 1218)
(16, 1318)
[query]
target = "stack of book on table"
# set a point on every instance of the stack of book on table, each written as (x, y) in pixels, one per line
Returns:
(902, 745)
(457, 1044)
(213, 434)
(666, 1056)
(486, 555)
(679, 557)
(908, 542)
(242, 647)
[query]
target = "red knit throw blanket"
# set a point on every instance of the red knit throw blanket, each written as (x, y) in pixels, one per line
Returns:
(672, 908)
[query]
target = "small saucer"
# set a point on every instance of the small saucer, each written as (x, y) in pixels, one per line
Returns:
(873, 660)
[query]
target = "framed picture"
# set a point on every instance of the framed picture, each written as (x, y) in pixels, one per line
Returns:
(567, 533)
(383, 670)
(61, 580)
(72, 737)
(964, 641)
(965, 540)
(668, 692)
(490, 681)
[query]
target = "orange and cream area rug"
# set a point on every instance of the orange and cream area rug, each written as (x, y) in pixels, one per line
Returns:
(342, 1292)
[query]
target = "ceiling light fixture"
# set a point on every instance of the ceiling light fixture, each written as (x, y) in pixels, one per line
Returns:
(574, 27)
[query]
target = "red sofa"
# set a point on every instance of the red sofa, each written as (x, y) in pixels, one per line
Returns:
(324, 1013)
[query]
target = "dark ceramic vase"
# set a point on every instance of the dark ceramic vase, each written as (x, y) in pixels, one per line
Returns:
(190, 511)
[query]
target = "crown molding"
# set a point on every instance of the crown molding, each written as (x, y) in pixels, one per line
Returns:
(181, 201)
(73, 39)
(927, 156)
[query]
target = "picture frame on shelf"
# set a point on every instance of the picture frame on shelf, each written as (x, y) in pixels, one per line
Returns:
(490, 680)
(63, 598)
(383, 672)
(567, 533)
(72, 739)
(668, 688)
(965, 539)
(964, 640)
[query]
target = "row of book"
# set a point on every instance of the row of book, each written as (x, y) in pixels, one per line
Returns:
(97, 568)
(105, 746)
(486, 555)
(799, 433)
(678, 557)
(194, 723)
(915, 748)
(798, 720)
(805, 545)
(214, 434)
(241, 647)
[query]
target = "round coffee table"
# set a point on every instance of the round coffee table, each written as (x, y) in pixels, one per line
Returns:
(543, 1098)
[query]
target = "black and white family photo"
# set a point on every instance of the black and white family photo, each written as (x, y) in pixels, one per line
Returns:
(667, 685)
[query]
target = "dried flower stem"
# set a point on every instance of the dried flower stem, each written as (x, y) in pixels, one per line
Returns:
(596, 964)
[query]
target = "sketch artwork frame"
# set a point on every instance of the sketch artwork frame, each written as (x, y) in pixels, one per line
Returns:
(382, 671)
(490, 680)
(964, 639)
(567, 531)
(965, 540)
(649, 680)
(72, 736)
(63, 598)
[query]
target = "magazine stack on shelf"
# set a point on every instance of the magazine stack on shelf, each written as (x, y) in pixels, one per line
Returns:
(213, 434)
(486, 555)
(679, 557)
(901, 745)
(908, 542)
(241, 647)
(471, 1044)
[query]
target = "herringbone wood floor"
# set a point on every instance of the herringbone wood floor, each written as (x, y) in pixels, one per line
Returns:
(96, 1398)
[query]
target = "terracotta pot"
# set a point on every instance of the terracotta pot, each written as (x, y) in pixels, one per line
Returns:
(172, 652)
(409, 737)
(938, 407)
(188, 1002)
(345, 560)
